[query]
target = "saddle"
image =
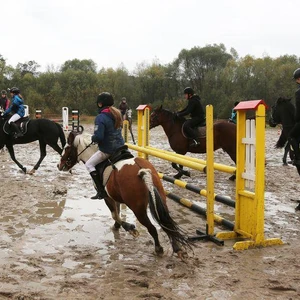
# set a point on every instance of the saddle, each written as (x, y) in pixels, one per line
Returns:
(21, 123)
(200, 131)
(105, 168)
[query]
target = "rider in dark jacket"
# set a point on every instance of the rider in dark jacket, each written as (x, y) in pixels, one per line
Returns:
(107, 135)
(294, 138)
(196, 112)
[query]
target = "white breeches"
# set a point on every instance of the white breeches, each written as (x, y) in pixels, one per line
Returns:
(14, 118)
(96, 159)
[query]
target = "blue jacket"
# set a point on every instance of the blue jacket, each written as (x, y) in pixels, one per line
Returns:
(109, 138)
(16, 107)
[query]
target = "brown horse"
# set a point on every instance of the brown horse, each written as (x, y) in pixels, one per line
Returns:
(224, 137)
(135, 183)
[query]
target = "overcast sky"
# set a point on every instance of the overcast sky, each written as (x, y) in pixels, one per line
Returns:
(132, 31)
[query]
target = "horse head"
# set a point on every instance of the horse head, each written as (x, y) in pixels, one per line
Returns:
(159, 116)
(279, 110)
(69, 157)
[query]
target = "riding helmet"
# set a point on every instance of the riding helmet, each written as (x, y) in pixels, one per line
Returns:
(3, 92)
(106, 99)
(296, 73)
(188, 91)
(14, 90)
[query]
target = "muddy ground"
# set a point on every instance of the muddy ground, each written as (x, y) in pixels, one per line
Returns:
(56, 243)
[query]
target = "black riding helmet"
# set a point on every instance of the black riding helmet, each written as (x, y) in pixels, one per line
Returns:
(3, 92)
(296, 74)
(14, 90)
(188, 91)
(106, 99)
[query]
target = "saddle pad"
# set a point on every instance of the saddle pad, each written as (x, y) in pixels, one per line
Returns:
(118, 165)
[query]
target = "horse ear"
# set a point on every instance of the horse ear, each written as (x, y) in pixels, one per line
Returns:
(160, 106)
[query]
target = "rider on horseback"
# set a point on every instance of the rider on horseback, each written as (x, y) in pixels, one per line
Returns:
(123, 107)
(295, 132)
(17, 108)
(107, 135)
(196, 111)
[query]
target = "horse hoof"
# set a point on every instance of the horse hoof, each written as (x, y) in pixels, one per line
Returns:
(24, 170)
(31, 172)
(134, 233)
(232, 178)
(159, 251)
(177, 176)
(182, 255)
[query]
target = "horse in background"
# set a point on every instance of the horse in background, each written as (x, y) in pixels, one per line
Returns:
(283, 112)
(128, 116)
(134, 182)
(45, 131)
(224, 137)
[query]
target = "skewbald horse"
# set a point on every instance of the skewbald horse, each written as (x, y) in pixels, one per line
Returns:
(135, 183)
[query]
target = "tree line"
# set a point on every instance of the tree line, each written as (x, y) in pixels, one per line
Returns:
(218, 75)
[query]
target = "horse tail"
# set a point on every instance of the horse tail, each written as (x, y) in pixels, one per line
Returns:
(160, 213)
(61, 135)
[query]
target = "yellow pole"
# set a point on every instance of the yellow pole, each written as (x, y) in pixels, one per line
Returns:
(210, 170)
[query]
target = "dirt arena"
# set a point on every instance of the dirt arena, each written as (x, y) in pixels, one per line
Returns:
(56, 243)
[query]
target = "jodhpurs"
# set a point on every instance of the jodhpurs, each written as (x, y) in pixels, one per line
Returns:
(96, 159)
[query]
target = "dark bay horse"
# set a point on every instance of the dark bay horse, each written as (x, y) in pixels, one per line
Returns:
(135, 183)
(224, 136)
(43, 130)
(283, 112)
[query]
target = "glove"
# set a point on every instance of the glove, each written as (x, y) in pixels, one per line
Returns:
(94, 139)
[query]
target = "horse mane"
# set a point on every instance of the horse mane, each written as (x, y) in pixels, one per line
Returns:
(170, 113)
(82, 139)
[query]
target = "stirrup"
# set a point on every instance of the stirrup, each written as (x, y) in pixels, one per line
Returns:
(195, 143)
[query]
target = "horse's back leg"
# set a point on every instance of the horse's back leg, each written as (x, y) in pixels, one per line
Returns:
(144, 220)
(286, 151)
(11, 151)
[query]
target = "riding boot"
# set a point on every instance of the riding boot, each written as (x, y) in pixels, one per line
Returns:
(101, 193)
(16, 130)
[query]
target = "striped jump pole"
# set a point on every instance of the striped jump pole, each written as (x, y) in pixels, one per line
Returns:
(199, 210)
(218, 198)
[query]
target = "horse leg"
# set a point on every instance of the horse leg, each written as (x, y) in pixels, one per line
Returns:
(11, 151)
(132, 136)
(114, 208)
(286, 151)
(180, 170)
(42, 156)
(144, 220)
(56, 148)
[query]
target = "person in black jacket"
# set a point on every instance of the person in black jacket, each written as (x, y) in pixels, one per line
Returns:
(294, 137)
(196, 112)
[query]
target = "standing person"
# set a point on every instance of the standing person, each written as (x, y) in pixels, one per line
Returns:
(196, 112)
(107, 135)
(234, 113)
(123, 107)
(17, 108)
(4, 101)
(294, 137)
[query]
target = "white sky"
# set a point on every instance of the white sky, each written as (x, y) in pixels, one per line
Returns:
(112, 32)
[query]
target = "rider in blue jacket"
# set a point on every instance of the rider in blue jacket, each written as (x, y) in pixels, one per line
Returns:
(107, 135)
(18, 110)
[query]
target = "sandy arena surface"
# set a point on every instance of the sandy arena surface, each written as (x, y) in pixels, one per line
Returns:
(56, 243)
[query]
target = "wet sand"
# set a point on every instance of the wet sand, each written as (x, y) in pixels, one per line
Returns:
(56, 243)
